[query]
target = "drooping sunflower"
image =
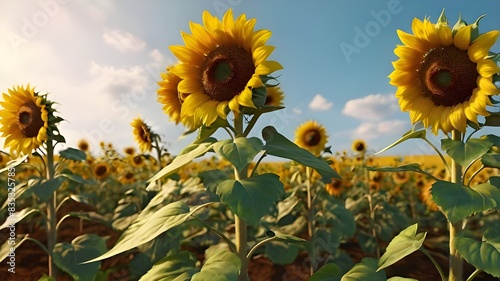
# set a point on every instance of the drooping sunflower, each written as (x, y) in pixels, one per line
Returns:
(24, 119)
(172, 99)
(358, 146)
(274, 96)
(311, 136)
(142, 134)
(129, 150)
(220, 64)
(443, 74)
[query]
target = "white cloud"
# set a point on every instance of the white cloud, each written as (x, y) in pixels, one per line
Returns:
(123, 41)
(297, 110)
(157, 56)
(371, 130)
(119, 81)
(371, 107)
(320, 103)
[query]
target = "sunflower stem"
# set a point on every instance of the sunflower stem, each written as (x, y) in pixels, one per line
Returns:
(51, 210)
(310, 221)
(456, 261)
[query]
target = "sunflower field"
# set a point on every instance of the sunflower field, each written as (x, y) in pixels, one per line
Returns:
(220, 210)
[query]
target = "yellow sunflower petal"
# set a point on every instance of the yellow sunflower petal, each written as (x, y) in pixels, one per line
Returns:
(481, 45)
(487, 68)
(462, 38)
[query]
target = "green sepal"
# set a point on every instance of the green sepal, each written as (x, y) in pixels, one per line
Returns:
(460, 24)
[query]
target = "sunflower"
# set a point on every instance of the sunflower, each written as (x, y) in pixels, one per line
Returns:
(137, 161)
(220, 64)
(24, 119)
(142, 134)
(311, 136)
(274, 96)
(335, 188)
(83, 145)
(443, 75)
(101, 170)
(127, 177)
(358, 146)
(172, 99)
(129, 150)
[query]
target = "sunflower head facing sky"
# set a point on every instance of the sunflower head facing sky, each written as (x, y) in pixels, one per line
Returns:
(221, 63)
(444, 74)
(27, 120)
(358, 146)
(142, 134)
(311, 136)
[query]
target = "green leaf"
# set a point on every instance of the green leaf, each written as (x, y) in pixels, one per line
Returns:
(278, 145)
(281, 253)
(9, 247)
(21, 189)
(286, 206)
(82, 198)
(405, 243)
(239, 152)
(459, 202)
(464, 154)
(251, 198)
(398, 278)
(73, 154)
(491, 160)
(67, 173)
(145, 229)
(191, 152)
(179, 267)
(205, 132)
(328, 272)
(69, 257)
(224, 266)
(495, 140)
(45, 189)
(16, 217)
(284, 237)
(13, 163)
(413, 167)
(495, 181)
(412, 134)
(484, 254)
(342, 219)
(365, 270)
(490, 190)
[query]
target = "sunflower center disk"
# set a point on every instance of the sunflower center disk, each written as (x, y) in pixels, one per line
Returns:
(447, 76)
(29, 119)
(312, 137)
(226, 72)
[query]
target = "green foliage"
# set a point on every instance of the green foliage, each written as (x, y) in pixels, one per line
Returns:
(223, 266)
(278, 145)
(465, 153)
(18, 216)
(45, 188)
(73, 154)
(251, 198)
(328, 272)
(459, 202)
(405, 243)
(176, 267)
(240, 151)
(365, 270)
(412, 134)
(414, 167)
(69, 257)
(484, 254)
(9, 245)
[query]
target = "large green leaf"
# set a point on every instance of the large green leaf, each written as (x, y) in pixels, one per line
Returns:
(240, 151)
(193, 151)
(69, 257)
(412, 134)
(328, 272)
(16, 217)
(67, 173)
(484, 254)
(405, 243)
(281, 253)
(459, 202)
(413, 167)
(365, 270)
(278, 145)
(224, 266)
(251, 198)
(494, 139)
(465, 153)
(45, 189)
(73, 154)
(342, 219)
(177, 267)
(491, 160)
(8, 249)
(495, 181)
(146, 228)
(21, 189)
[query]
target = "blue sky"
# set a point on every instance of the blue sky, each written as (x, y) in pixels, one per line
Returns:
(100, 60)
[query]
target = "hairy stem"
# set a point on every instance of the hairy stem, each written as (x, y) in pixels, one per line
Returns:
(51, 211)
(456, 262)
